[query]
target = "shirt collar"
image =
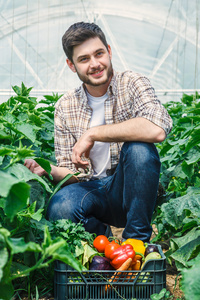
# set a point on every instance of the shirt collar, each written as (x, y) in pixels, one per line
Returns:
(112, 88)
(82, 93)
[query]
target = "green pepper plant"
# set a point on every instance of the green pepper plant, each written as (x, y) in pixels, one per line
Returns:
(177, 215)
(29, 242)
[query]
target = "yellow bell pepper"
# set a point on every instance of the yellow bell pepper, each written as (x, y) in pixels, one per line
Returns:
(138, 246)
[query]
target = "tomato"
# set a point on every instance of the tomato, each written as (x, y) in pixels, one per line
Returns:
(110, 248)
(100, 243)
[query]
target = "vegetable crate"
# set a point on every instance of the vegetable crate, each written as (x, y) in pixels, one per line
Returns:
(93, 285)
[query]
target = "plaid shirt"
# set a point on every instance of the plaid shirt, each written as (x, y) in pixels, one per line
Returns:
(130, 95)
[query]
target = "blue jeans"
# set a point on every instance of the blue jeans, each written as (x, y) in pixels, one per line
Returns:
(125, 199)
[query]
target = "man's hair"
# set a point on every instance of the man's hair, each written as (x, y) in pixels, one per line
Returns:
(79, 33)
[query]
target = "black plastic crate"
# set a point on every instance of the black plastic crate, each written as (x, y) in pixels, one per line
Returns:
(94, 285)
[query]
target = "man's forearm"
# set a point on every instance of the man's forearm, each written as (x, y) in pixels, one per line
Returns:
(137, 129)
(58, 173)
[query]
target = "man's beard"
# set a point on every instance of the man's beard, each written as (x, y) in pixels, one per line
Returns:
(86, 80)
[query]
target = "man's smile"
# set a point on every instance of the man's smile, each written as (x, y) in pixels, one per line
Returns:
(96, 73)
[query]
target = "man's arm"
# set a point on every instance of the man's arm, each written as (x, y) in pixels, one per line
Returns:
(58, 173)
(136, 129)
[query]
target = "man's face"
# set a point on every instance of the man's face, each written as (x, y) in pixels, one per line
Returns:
(92, 62)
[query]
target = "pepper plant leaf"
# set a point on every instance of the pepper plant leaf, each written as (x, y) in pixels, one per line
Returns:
(17, 199)
(6, 183)
(45, 164)
(191, 281)
(24, 174)
(18, 245)
(6, 290)
(186, 252)
(28, 130)
(174, 210)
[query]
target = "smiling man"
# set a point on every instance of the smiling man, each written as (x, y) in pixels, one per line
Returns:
(106, 128)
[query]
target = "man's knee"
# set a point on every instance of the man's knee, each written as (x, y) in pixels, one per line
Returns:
(140, 152)
(61, 206)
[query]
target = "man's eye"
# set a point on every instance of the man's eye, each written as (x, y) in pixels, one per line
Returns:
(99, 53)
(83, 59)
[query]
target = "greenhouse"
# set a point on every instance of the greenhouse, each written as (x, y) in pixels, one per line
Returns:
(159, 39)
(100, 185)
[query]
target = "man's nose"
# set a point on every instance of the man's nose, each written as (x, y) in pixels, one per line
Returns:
(94, 63)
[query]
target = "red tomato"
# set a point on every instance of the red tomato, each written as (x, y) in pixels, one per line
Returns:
(100, 243)
(110, 248)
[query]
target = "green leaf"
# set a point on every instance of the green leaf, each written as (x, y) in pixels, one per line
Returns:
(58, 186)
(187, 99)
(3, 254)
(6, 183)
(16, 89)
(27, 130)
(45, 165)
(6, 291)
(3, 260)
(187, 238)
(4, 135)
(35, 119)
(193, 156)
(18, 268)
(46, 135)
(193, 140)
(17, 199)
(188, 169)
(23, 152)
(174, 211)
(65, 256)
(37, 194)
(42, 224)
(47, 238)
(159, 296)
(88, 253)
(28, 100)
(10, 118)
(37, 215)
(5, 151)
(52, 246)
(191, 282)
(24, 174)
(18, 245)
(186, 252)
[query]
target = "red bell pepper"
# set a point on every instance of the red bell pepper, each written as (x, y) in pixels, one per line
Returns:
(121, 254)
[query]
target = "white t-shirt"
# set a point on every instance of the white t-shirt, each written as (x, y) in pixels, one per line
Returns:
(100, 152)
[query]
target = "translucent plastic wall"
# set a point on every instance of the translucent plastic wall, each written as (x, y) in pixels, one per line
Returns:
(157, 38)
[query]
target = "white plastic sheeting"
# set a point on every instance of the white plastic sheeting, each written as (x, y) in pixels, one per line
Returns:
(159, 39)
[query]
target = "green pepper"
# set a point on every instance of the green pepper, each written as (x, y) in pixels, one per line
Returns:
(121, 254)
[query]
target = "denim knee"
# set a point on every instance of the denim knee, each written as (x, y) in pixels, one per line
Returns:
(140, 152)
(61, 207)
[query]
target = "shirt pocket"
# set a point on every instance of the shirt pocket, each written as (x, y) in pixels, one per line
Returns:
(124, 112)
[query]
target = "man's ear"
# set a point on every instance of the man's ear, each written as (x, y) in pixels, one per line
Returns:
(71, 65)
(110, 51)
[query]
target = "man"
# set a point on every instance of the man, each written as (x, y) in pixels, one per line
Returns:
(106, 129)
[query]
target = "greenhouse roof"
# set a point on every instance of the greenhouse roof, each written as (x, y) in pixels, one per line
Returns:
(159, 39)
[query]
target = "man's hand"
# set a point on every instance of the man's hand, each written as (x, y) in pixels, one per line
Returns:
(58, 173)
(136, 129)
(34, 167)
(82, 148)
